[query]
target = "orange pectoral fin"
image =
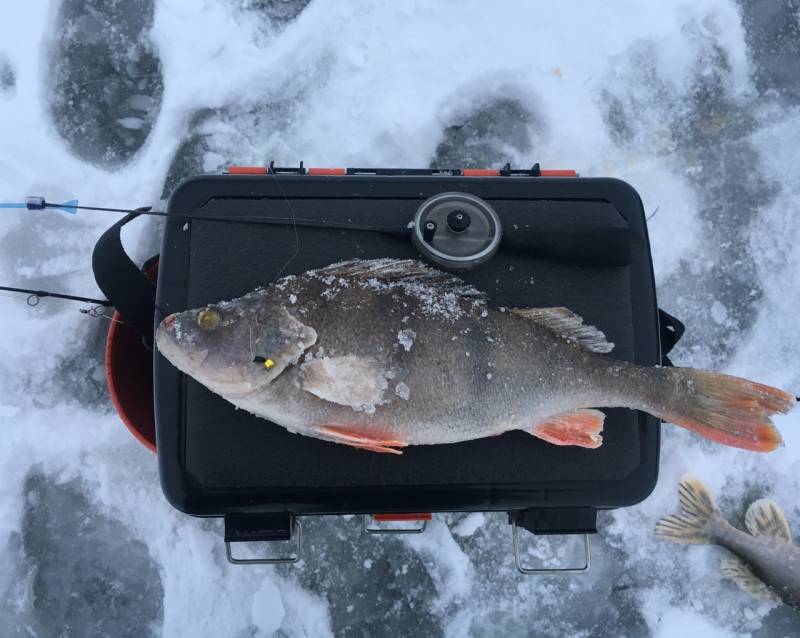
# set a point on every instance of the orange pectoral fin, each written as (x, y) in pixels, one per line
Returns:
(353, 438)
(581, 427)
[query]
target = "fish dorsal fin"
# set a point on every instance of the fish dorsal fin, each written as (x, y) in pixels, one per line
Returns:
(566, 323)
(765, 518)
(747, 581)
(400, 271)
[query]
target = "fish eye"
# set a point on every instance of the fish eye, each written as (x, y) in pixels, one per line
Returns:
(208, 318)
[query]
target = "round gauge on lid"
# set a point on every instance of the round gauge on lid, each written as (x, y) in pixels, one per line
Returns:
(456, 230)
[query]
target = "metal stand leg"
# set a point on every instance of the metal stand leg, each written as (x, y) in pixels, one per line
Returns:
(544, 570)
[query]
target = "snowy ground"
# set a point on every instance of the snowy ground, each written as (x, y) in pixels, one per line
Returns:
(697, 104)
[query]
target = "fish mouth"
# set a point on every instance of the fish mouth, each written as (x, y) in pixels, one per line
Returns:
(167, 343)
(168, 321)
(191, 362)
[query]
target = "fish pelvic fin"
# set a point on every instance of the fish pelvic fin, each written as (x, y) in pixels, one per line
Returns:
(699, 517)
(738, 571)
(581, 428)
(765, 518)
(724, 409)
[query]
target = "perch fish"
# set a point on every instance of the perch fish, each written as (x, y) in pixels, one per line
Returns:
(767, 561)
(382, 354)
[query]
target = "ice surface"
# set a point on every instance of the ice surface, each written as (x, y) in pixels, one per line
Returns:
(104, 80)
(276, 12)
(7, 79)
(695, 104)
(772, 33)
(81, 569)
(488, 124)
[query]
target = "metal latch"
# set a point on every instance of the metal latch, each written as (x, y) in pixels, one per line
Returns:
(553, 521)
(387, 518)
(248, 528)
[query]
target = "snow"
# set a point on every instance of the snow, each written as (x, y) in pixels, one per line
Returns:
(268, 610)
(133, 123)
(402, 390)
(470, 524)
(406, 338)
(691, 622)
(719, 312)
(695, 104)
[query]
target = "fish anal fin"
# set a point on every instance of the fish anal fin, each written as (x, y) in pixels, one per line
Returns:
(354, 438)
(581, 428)
(748, 582)
(567, 324)
(765, 518)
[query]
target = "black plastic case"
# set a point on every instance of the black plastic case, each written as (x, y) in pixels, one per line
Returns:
(216, 460)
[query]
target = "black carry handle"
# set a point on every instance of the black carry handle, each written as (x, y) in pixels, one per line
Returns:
(670, 330)
(596, 247)
(556, 520)
(258, 527)
(123, 282)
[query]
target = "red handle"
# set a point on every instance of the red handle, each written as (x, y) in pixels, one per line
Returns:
(387, 518)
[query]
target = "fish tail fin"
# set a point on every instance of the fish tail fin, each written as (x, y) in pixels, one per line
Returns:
(725, 409)
(699, 519)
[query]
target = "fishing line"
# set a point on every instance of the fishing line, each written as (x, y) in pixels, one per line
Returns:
(294, 227)
(96, 312)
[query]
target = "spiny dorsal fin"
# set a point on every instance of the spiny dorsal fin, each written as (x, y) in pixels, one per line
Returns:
(566, 323)
(765, 518)
(747, 581)
(406, 271)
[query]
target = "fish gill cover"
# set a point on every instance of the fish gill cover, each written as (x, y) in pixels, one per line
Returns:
(694, 103)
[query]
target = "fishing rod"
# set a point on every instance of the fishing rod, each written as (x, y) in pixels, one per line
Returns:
(72, 207)
(34, 296)
(38, 203)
